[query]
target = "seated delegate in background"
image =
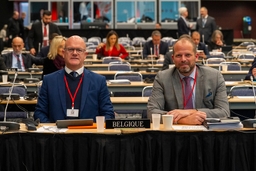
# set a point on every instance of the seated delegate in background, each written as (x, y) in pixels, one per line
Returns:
(158, 47)
(18, 60)
(55, 60)
(200, 45)
(167, 60)
(216, 41)
(111, 47)
(45, 50)
(190, 103)
(252, 71)
(58, 89)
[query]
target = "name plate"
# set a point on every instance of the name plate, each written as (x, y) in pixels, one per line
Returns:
(127, 123)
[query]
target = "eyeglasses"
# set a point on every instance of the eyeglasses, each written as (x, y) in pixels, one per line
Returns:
(72, 50)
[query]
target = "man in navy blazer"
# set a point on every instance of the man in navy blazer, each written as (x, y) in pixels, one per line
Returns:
(158, 47)
(205, 25)
(183, 25)
(36, 37)
(73, 92)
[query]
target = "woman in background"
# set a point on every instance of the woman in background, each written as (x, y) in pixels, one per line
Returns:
(217, 41)
(55, 57)
(111, 47)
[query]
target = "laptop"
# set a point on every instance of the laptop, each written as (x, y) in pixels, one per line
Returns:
(226, 49)
(74, 122)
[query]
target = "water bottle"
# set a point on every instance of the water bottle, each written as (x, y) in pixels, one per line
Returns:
(60, 19)
(66, 20)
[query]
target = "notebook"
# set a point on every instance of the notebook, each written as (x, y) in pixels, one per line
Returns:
(74, 122)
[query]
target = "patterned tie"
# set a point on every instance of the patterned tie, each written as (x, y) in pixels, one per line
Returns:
(204, 21)
(74, 74)
(45, 36)
(188, 97)
(156, 50)
(18, 61)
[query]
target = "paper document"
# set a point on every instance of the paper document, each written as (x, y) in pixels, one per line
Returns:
(189, 127)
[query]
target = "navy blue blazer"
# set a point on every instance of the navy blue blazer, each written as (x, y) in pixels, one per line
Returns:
(202, 46)
(95, 101)
(43, 52)
(182, 27)
(163, 48)
(247, 77)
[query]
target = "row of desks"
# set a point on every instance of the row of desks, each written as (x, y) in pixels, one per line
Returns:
(140, 103)
(132, 87)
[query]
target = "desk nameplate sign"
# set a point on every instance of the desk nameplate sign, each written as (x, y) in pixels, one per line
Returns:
(127, 123)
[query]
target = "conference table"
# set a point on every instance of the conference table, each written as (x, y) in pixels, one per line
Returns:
(132, 87)
(128, 150)
(140, 103)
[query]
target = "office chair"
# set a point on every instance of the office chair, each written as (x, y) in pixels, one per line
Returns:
(107, 60)
(132, 76)
(232, 66)
(243, 90)
(146, 91)
(216, 55)
(119, 66)
(215, 60)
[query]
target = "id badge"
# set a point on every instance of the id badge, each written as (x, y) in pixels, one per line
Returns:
(72, 112)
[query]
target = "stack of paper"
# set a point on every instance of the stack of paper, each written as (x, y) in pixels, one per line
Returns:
(223, 123)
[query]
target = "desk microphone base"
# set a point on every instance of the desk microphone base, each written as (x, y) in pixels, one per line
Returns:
(153, 70)
(9, 126)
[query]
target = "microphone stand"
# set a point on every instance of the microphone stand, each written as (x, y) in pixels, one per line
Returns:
(152, 69)
(6, 125)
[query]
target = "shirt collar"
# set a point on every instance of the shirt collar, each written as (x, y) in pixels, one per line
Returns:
(192, 75)
(79, 71)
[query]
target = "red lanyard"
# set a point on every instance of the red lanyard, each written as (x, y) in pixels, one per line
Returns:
(77, 88)
(185, 101)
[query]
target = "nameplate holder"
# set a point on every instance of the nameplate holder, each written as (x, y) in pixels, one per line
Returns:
(127, 123)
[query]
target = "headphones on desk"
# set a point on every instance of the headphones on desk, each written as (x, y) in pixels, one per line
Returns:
(31, 96)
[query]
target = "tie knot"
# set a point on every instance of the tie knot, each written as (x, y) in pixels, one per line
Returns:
(74, 74)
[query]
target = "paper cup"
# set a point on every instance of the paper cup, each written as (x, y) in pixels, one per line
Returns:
(156, 121)
(167, 121)
(4, 78)
(94, 56)
(100, 120)
(224, 68)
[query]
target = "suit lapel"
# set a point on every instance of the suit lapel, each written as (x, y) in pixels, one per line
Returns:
(199, 88)
(177, 89)
(62, 89)
(24, 61)
(85, 88)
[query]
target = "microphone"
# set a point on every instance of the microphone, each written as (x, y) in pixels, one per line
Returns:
(152, 69)
(4, 126)
(203, 38)
(251, 77)
(39, 47)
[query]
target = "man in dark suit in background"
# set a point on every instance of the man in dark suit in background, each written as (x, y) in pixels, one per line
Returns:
(57, 101)
(14, 28)
(45, 50)
(40, 31)
(205, 25)
(202, 50)
(183, 25)
(158, 47)
(18, 60)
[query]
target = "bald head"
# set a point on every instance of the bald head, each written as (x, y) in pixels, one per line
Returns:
(17, 45)
(15, 15)
(203, 12)
(196, 37)
(75, 52)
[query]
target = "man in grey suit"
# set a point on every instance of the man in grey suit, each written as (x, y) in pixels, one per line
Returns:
(205, 25)
(206, 97)
(40, 31)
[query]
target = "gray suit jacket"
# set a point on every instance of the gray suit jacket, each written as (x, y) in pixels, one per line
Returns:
(208, 29)
(210, 95)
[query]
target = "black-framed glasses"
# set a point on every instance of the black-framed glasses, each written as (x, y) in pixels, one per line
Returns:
(72, 50)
